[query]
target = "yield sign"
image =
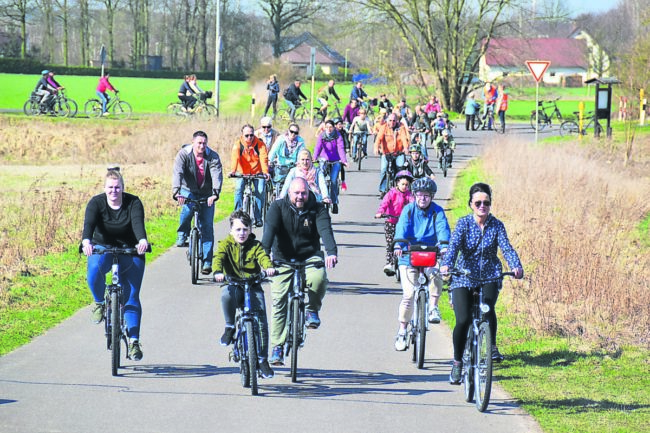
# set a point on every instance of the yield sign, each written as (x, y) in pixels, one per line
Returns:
(537, 68)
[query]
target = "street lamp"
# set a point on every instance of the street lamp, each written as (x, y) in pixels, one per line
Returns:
(345, 76)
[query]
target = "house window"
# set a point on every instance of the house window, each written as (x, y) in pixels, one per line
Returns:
(552, 74)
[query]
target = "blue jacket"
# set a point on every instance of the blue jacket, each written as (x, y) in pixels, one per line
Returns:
(476, 252)
(422, 226)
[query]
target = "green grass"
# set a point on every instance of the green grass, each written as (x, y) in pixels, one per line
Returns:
(565, 387)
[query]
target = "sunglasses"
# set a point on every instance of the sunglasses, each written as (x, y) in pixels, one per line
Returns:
(479, 203)
(266, 127)
(293, 132)
(249, 135)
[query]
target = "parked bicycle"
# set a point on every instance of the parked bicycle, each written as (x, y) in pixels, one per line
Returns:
(248, 199)
(57, 106)
(477, 357)
(248, 342)
(114, 324)
(571, 128)
(544, 114)
(420, 258)
(297, 328)
(195, 245)
(115, 106)
(488, 123)
(201, 109)
(359, 150)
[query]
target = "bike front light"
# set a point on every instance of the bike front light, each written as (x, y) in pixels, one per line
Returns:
(422, 279)
(485, 308)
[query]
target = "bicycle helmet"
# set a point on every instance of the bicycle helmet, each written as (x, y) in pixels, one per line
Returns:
(415, 148)
(337, 120)
(404, 174)
(45, 72)
(424, 184)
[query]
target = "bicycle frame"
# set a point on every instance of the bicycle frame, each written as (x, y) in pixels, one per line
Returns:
(195, 247)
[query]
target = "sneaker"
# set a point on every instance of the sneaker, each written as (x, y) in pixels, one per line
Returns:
(259, 223)
(496, 355)
(98, 312)
(226, 338)
(456, 371)
(389, 270)
(135, 351)
(344, 187)
(265, 370)
(277, 356)
(207, 268)
(434, 315)
(312, 321)
(106, 113)
(181, 240)
(335, 208)
(400, 342)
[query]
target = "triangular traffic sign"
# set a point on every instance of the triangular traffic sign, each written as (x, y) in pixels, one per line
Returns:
(537, 68)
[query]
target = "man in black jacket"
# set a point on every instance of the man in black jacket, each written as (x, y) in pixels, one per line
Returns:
(292, 96)
(293, 229)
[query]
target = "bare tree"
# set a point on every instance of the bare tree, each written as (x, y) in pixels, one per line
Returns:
(111, 8)
(84, 32)
(15, 11)
(63, 15)
(283, 14)
(140, 37)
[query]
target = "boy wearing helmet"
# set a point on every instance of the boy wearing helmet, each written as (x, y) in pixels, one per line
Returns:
(45, 90)
(422, 222)
(417, 165)
(390, 208)
(445, 139)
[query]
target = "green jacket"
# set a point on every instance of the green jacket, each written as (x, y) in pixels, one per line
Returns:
(240, 260)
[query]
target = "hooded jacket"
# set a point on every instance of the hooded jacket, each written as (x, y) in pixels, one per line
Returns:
(240, 260)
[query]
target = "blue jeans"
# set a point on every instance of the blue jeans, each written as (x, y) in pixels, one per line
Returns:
(258, 194)
(205, 223)
(334, 178)
(363, 138)
(384, 167)
(104, 98)
(131, 273)
(292, 108)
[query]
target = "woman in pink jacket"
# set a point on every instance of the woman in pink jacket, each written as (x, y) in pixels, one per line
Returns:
(391, 207)
(102, 87)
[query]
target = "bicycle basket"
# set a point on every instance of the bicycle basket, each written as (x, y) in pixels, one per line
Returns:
(205, 96)
(423, 256)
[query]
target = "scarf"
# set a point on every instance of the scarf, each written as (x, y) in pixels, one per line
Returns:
(329, 137)
(292, 143)
(311, 177)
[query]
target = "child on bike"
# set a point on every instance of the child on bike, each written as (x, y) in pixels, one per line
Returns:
(242, 256)
(391, 206)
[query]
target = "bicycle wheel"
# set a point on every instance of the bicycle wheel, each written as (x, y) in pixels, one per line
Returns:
(477, 122)
(244, 372)
(396, 270)
(483, 370)
(468, 370)
(252, 356)
(74, 107)
(538, 121)
(444, 164)
(296, 337)
(421, 336)
(569, 129)
(194, 255)
(122, 110)
(116, 332)
(359, 153)
(176, 109)
(93, 108)
(107, 320)
(61, 108)
(284, 116)
(31, 108)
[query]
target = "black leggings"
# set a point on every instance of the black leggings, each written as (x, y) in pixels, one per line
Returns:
(462, 298)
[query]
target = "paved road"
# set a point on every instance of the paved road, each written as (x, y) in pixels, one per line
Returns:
(351, 379)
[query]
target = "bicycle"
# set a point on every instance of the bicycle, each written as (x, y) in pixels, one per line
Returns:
(570, 128)
(275, 183)
(359, 144)
(58, 105)
(477, 356)
(488, 123)
(319, 117)
(539, 118)
(248, 342)
(115, 106)
(391, 169)
(326, 167)
(420, 257)
(248, 201)
(114, 324)
(201, 108)
(444, 158)
(301, 114)
(195, 244)
(297, 327)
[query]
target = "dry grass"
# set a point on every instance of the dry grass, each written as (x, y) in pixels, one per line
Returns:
(574, 214)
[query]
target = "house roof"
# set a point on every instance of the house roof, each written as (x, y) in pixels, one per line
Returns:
(302, 54)
(292, 42)
(561, 52)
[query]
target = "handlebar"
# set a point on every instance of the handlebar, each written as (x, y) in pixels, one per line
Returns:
(385, 215)
(241, 281)
(248, 176)
(411, 244)
(129, 251)
(298, 265)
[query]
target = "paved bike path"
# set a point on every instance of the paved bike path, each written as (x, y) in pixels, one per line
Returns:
(350, 377)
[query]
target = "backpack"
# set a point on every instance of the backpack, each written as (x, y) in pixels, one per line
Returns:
(285, 94)
(255, 148)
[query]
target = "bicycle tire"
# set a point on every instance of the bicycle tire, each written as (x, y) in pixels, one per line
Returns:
(107, 320)
(396, 270)
(74, 107)
(244, 372)
(477, 122)
(175, 109)
(445, 164)
(569, 128)
(116, 333)
(296, 336)
(194, 255)
(359, 156)
(468, 369)
(284, 116)
(251, 356)
(61, 108)
(122, 110)
(483, 370)
(540, 120)
(31, 108)
(421, 336)
(93, 108)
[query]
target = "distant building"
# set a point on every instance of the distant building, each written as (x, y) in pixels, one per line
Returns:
(296, 51)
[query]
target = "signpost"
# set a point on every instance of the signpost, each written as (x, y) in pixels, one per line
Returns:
(102, 57)
(312, 68)
(537, 68)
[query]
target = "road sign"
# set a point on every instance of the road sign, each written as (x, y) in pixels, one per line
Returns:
(312, 61)
(102, 55)
(537, 68)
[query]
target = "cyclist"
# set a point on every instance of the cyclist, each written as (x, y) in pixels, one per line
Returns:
(292, 96)
(52, 81)
(473, 246)
(392, 139)
(266, 133)
(445, 139)
(351, 111)
(116, 218)
(284, 153)
(417, 165)
(421, 222)
(329, 147)
(358, 94)
(104, 85)
(45, 90)
(490, 94)
(502, 106)
(384, 103)
(420, 128)
(340, 127)
(273, 87)
(392, 204)
(294, 228)
(186, 94)
(361, 124)
(240, 255)
(249, 156)
(312, 174)
(433, 106)
(323, 95)
(197, 175)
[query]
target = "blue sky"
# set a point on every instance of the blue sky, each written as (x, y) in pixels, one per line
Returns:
(583, 6)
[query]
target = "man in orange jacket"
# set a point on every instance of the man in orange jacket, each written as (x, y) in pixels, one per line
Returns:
(250, 157)
(391, 142)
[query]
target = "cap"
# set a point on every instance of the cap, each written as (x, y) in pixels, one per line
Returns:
(45, 71)
(266, 121)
